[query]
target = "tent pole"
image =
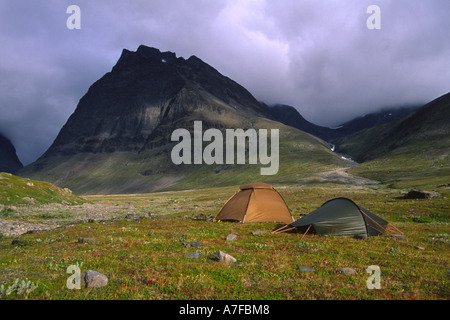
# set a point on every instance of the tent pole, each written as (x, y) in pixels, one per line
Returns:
(306, 232)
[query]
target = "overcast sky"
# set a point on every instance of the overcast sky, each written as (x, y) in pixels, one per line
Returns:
(318, 56)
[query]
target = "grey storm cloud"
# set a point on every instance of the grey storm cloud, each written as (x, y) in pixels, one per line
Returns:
(318, 56)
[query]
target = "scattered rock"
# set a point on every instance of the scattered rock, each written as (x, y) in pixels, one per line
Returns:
(93, 279)
(347, 271)
(86, 240)
(305, 269)
(68, 190)
(185, 244)
(149, 216)
(29, 199)
(225, 257)
(257, 233)
(204, 217)
(133, 217)
(399, 236)
(419, 194)
(12, 228)
(419, 248)
(194, 244)
(231, 237)
(193, 255)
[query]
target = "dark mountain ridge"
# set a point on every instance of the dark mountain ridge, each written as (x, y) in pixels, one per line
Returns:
(9, 162)
(133, 107)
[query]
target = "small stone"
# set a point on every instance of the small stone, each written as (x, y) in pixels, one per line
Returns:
(231, 237)
(93, 279)
(419, 248)
(347, 271)
(257, 233)
(196, 244)
(133, 217)
(399, 236)
(225, 257)
(185, 244)
(149, 216)
(193, 255)
(305, 269)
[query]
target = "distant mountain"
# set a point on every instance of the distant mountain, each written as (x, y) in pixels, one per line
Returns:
(9, 162)
(417, 145)
(291, 117)
(118, 140)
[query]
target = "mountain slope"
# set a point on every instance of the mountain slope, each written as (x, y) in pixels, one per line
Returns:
(15, 190)
(415, 147)
(9, 162)
(118, 140)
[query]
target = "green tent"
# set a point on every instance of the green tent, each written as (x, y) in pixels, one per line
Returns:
(340, 216)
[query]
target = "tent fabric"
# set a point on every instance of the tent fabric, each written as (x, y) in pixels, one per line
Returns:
(342, 216)
(257, 202)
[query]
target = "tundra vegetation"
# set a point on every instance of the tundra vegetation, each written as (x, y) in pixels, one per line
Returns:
(144, 243)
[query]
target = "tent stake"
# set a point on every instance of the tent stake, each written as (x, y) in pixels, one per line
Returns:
(275, 231)
(394, 228)
(285, 230)
(306, 232)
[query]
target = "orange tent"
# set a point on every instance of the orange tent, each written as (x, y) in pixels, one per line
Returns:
(256, 202)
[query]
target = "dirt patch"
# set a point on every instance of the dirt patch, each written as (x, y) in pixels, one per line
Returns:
(11, 228)
(59, 215)
(341, 176)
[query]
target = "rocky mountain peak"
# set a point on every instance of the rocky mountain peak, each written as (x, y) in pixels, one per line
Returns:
(143, 98)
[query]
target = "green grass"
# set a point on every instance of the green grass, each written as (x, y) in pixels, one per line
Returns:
(145, 260)
(15, 190)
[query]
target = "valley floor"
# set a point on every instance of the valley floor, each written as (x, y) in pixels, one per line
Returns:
(142, 243)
